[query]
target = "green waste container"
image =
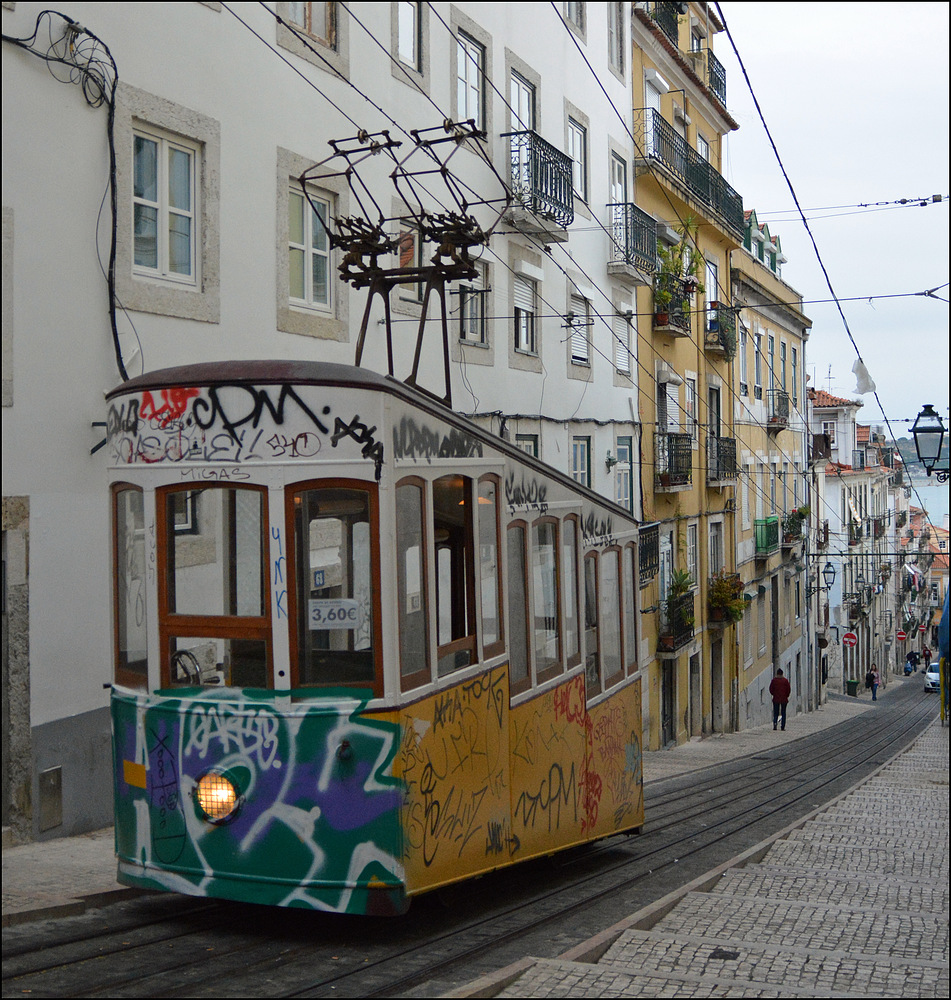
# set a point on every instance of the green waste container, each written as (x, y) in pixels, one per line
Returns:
(852, 688)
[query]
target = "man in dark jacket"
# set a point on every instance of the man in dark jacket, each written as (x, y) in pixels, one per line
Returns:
(780, 689)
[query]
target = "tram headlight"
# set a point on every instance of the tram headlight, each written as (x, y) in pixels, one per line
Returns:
(217, 797)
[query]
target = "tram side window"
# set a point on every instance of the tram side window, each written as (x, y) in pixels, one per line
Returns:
(214, 610)
(628, 588)
(569, 538)
(131, 650)
(592, 652)
(411, 588)
(517, 608)
(334, 587)
(490, 565)
(455, 573)
(611, 617)
(547, 608)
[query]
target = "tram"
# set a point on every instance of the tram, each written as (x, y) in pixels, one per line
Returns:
(363, 648)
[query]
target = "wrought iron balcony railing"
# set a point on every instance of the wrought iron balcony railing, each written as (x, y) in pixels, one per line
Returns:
(665, 17)
(855, 533)
(677, 622)
(777, 401)
(673, 454)
(720, 337)
(793, 528)
(671, 304)
(716, 75)
(648, 553)
(634, 235)
(901, 519)
(822, 535)
(541, 178)
(766, 532)
(721, 459)
(878, 526)
(664, 143)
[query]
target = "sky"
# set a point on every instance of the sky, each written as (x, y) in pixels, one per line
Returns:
(856, 99)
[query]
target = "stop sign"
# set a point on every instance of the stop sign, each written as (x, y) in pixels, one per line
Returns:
(849, 639)
(900, 635)
(921, 628)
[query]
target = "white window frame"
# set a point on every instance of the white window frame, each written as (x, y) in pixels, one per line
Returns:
(574, 15)
(579, 325)
(744, 372)
(577, 150)
(410, 290)
(165, 212)
(301, 15)
(408, 35)
(470, 80)
(623, 328)
(526, 317)
(472, 295)
(306, 247)
(693, 553)
(717, 550)
(581, 460)
(616, 37)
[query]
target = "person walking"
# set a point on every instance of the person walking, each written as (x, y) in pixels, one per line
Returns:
(876, 680)
(780, 689)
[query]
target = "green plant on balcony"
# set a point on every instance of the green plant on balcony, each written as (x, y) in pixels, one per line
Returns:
(725, 597)
(680, 263)
(793, 523)
(681, 582)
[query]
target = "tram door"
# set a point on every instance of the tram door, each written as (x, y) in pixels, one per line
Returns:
(667, 701)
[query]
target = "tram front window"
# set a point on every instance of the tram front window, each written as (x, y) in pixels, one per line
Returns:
(455, 573)
(334, 587)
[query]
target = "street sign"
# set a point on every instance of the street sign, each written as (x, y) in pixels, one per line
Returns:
(921, 628)
(849, 639)
(900, 635)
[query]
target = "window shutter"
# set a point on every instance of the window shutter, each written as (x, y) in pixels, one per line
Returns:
(622, 345)
(579, 329)
(524, 294)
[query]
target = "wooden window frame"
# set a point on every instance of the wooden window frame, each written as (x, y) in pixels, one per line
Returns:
(418, 678)
(595, 558)
(172, 625)
(498, 647)
(615, 552)
(559, 666)
(127, 678)
(526, 683)
(470, 640)
(373, 497)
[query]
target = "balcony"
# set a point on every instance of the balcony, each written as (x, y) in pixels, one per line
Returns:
(879, 526)
(648, 553)
(671, 305)
(541, 179)
(663, 143)
(777, 403)
(721, 459)
(677, 623)
(664, 16)
(716, 77)
(901, 519)
(793, 528)
(725, 602)
(673, 456)
(634, 242)
(766, 532)
(821, 448)
(720, 336)
(856, 534)
(858, 459)
(822, 535)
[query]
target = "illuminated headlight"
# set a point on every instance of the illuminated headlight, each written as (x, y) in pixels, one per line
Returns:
(217, 797)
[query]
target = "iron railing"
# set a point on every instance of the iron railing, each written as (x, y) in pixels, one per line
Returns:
(677, 622)
(858, 459)
(673, 454)
(766, 532)
(901, 518)
(677, 309)
(648, 553)
(665, 17)
(878, 526)
(663, 142)
(541, 177)
(855, 532)
(716, 75)
(793, 527)
(634, 237)
(778, 407)
(721, 458)
(720, 336)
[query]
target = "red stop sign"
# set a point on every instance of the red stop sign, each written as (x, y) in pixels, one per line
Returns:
(849, 639)
(900, 635)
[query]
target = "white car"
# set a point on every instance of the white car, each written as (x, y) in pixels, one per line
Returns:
(932, 680)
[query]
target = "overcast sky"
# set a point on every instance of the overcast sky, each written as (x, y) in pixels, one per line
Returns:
(856, 99)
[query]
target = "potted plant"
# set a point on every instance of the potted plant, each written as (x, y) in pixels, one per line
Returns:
(793, 523)
(679, 270)
(725, 597)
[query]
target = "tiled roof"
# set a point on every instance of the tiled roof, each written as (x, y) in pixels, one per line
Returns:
(821, 398)
(862, 432)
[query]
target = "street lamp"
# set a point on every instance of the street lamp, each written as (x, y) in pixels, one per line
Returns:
(828, 574)
(928, 432)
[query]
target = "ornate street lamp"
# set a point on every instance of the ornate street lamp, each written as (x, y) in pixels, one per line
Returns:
(928, 432)
(828, 574)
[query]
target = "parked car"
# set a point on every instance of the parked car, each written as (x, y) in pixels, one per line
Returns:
(932, 681)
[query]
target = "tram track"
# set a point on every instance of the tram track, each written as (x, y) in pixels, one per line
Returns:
(694, 822)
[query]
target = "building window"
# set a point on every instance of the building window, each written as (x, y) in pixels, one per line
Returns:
(308, 254)
(525, 340)
(616, 36)
(622, 343)
(319, 20)
(758, 366)
(624, 474)
(578, 323)
(716, 547)
(472, 307)
(828, 428)
(693, 554)
(794, 374)
(771, 359)
(782, 364)
(470, 87)
(163, 206)
(410, 256)
(408, 36)
(744, 388)
(581, 460)
(527, 443)
(690, 407)
(703, 147)
(577, 143)
(574, 14)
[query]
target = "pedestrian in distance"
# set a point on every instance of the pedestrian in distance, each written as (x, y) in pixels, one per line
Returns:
(926, 655)
(780, 689)
(868, 679)
(876, 680)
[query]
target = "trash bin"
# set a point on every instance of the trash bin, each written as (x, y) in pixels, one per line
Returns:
(852, 689)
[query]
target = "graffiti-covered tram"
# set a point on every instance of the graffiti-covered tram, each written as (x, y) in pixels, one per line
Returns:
(363, 648)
